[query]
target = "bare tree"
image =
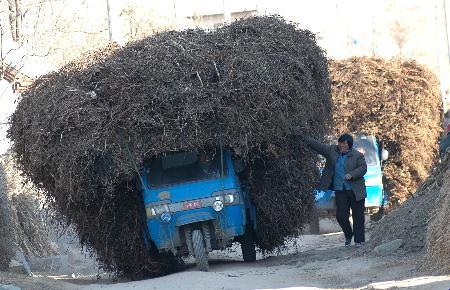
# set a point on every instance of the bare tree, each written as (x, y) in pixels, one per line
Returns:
(15, 18)
(400, 34)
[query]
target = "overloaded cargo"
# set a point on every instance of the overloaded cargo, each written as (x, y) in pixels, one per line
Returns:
(83, 134)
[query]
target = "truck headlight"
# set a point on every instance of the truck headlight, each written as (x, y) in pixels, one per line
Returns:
(151, 213)
(154, 211)
(161, 209)
(228, 198)
(217, 205)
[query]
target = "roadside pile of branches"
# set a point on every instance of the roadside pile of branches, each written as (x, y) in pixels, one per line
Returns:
(6, 226)
(77, 133)
(437, 245)
(422, 221)
(411, 221)
(29, 218)
(399, 102)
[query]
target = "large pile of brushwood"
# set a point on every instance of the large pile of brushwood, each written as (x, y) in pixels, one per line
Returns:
(81, 134)
(399, 102)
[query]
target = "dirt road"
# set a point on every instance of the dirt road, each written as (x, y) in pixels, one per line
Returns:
(309, 262)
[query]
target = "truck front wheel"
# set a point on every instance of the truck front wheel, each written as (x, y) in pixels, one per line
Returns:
(200, 254)
(248, 246)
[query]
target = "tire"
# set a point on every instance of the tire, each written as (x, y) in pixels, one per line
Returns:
(248, 246)
(200, 254)
(314, 227)
(378, 216)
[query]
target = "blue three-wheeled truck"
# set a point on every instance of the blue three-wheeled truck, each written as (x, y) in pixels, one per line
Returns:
(195, 203)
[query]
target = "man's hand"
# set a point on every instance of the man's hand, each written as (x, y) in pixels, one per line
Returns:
(348, 176)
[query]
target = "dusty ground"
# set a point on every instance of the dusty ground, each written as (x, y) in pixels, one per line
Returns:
(311, 262)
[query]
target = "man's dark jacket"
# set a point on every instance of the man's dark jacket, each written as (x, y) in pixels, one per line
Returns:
(355, 165)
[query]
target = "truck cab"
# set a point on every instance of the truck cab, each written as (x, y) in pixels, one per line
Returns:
(195, 203)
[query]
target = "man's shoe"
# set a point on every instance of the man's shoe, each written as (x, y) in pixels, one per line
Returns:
(360, 245)
(348, 242)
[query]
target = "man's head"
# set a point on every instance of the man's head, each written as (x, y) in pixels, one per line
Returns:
(345, 143)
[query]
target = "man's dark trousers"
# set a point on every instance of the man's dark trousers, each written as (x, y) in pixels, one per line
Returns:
(345, 199)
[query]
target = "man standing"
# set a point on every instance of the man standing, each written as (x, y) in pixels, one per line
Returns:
(344, 173)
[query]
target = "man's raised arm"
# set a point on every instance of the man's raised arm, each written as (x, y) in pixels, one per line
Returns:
(321, 148)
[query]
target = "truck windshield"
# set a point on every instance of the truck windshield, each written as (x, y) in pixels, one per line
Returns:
(365, 146)
(181, 167)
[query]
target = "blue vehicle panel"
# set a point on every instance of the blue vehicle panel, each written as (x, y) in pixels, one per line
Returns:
(232, 226)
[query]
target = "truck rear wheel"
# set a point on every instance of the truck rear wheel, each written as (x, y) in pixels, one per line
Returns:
(200, 254)
(248, 246)
(378, 215)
